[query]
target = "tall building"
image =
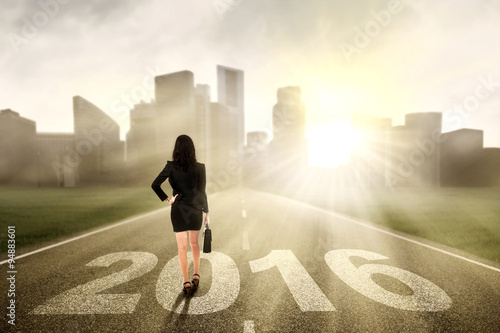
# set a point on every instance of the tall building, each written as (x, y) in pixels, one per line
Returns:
(461, 150)
(57, 160)
(415, 151)
(370, 159)
(230, 93)
(97, 143)
(289, 146)
(202, 134)
(223, 169)
(176, 111)
(181, 107)
(18, 162)
(488, 168)
(142, 139)
(424, 130)
(464, 161)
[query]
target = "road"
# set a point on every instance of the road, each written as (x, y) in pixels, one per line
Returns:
(277, 266)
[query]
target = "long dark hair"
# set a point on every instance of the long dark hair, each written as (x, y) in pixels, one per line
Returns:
(184, 155)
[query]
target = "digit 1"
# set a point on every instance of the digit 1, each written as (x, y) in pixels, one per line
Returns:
(303, 288)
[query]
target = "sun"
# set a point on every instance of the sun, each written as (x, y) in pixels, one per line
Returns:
(330, 146)
(329, 125)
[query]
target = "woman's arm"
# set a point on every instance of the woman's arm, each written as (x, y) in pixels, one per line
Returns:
(202, 183)
(156, 185)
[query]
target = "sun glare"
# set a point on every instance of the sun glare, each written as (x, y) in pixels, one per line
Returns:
(329, 131)
(332, 99)
(330, 146)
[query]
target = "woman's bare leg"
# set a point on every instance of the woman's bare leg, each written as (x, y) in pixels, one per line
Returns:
(193, 241)
(182, 245)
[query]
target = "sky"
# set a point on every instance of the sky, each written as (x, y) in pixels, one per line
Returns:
(381, 58)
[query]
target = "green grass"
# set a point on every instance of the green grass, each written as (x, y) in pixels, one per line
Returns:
(45, 214)
(463, 218)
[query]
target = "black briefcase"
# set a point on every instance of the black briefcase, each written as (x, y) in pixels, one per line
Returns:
(207, 239)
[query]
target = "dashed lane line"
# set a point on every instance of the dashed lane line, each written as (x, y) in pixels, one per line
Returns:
(248, 326)
(246, 241)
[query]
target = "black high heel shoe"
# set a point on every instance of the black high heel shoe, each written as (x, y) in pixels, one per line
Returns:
(187, 290)
(195, 283)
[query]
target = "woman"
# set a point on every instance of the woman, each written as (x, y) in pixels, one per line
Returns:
(189, 200)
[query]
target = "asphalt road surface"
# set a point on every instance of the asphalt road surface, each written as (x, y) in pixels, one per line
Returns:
(277, 266)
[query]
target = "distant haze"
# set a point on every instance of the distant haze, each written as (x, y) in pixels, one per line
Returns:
(384, 58)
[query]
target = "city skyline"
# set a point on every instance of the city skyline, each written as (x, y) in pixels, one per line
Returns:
(94, 153)
(378, 58)
(349, 145)
(184, 93)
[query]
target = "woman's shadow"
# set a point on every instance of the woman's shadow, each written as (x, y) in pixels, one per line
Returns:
(175, 316)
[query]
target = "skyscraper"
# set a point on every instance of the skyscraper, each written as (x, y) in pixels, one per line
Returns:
(57, 160)
(18, 159)
(175, 108)
(97, 143)
(223, 169)
(424, 132)
(230, 93)
(289, 145)
(202, 132)
(415, 151)
(142, 141)
(488, 168)
(461, 150)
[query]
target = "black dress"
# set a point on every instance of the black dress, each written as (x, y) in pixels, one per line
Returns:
(191, 201)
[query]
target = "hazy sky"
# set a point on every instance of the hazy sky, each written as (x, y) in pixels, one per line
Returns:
(385, 58)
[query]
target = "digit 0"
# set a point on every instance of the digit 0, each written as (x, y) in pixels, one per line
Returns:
(225, 286)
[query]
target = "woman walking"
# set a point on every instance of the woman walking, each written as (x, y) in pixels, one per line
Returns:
(189, 200)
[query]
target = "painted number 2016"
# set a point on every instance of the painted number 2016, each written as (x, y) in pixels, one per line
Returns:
(84, 299)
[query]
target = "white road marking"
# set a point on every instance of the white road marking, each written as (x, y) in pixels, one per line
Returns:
(132, 219)
(223, 291)
(426, 296)
(248, 326)
(246, 241)
(87, 299)
(305, 291)
(244, 213)
(368, 225)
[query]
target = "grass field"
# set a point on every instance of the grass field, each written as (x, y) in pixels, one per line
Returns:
(44, 214)
(467, 218)
(464, 218)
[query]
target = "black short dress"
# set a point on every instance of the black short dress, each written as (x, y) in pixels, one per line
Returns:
(191, 202)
